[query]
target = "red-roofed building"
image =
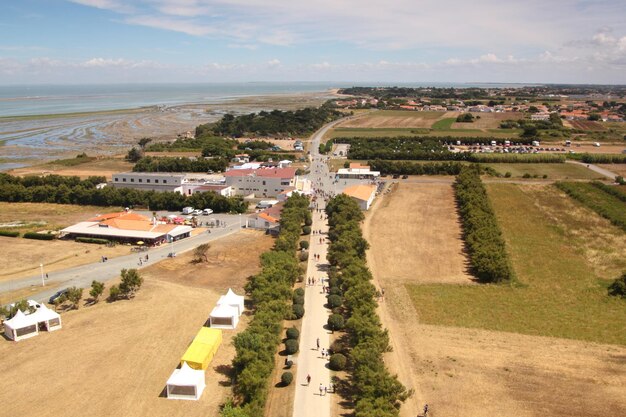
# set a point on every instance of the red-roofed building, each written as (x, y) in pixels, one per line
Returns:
(262, 182)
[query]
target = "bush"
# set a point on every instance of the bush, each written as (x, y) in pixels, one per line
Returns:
(291, 346)
(92, 240)
(337, 347)
(334, 301)
(298, 310)
(9, 233)
(335, 322)
(335, 291)
(337, 362)
(39, 236)
(286, 378)
(526, 175)
(306, 230)
(114, 293)
(618, 287)
(298, 299)
(304, 244)
(303, 256)
(293, 333)
(507, 174)
(299, 291)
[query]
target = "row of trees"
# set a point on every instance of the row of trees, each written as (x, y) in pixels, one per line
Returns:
(276, 122)
(377, 392)
(170, 164)
(483, 238)
(603, 158)
(618, 192)
(516, 158)
(15, 189)
(270, 292)
(414, 168)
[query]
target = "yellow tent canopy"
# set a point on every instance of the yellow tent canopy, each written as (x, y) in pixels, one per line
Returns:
(204, 346)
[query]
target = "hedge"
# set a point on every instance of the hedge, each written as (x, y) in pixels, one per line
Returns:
(375, 391)
(483, 238)
(271, 292)
(92, 240)
(337, 362)
(291, 346)
(293, 333)
(9, 233)
(39, 236)
(603, 158)
(412, 168)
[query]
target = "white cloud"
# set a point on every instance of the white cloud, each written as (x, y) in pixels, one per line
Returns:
(273, 62)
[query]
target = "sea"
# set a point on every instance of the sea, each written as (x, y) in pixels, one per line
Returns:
(27, 100)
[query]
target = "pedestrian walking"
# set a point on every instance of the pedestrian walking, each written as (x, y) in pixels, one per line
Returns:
(325, 390)
(46, 276)
(308, 380)
(425, 410)
(323, 353)
(318, 345)
(321, 389)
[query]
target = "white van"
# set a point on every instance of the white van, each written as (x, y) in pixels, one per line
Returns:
(206, 212)
(187, 210)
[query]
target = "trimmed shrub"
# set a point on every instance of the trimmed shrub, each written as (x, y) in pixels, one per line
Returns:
(39, 236)
(336, 322)
(337, 347)
(303, 256)
(337, 362)
(298, 299)
(335, 291)
(306, 230)
(334, 301)
(293, 333)
(286, 378)
(9, 233)
(299, 291)
(291, 346)
(92, 240)
(304, 244)
(298, 311)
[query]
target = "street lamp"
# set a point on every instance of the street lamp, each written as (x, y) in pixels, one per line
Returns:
(43, 283)
(239, 220)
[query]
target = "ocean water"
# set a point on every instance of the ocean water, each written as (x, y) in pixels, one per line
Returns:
(23, 100)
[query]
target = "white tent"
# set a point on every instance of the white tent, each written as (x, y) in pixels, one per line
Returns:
(224, 316)
(233, 300)
(20, 327)
(185, 384)
(46, 317)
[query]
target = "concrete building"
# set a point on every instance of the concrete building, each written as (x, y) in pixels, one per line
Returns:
(363, 194)
(149, 181)
(268, 219)
(357, 171)
(221, 189)
(262, 182)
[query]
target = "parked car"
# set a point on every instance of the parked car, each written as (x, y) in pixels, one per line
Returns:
(197, 212)
(405, 177)
(57, 295)
(396, 176)
(206, 212)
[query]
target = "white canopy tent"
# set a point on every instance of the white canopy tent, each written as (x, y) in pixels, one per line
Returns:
(20, 327)
(185, 384)
(46, 317)
(233, 300)
(224, 316)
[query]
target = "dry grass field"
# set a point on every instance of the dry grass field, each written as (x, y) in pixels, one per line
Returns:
(488, 120)
(117, 357)
(101, 167)
(475, 372)
(395, 119)
(619, 169)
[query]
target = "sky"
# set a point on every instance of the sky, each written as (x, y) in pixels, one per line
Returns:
(130, 41)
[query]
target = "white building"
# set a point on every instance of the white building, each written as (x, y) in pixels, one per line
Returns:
(149, 181)
(363, 194)
(262, 182)
(357, 171)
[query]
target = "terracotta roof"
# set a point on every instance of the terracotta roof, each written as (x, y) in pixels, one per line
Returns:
(262, 172)
(357, 165)
(122, 215)
(361, 191)
(267, 217)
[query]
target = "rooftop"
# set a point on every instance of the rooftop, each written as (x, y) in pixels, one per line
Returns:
(262, 172)
(360, 192)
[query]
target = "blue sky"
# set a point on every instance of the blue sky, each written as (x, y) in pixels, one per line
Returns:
(104, 41)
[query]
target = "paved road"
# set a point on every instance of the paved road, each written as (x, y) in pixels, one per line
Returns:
(595, 168)
(81, 276)
(309, 401)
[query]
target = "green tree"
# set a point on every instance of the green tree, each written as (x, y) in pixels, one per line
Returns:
(143, 142)
(134, 155)
(131, 282)
(74, 295)
(618, 287)
(200, 253)
(114, 292)
(97, 288)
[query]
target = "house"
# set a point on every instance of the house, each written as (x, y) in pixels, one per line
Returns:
(262, 182)
(357, 171)
(540, 116)
(149, 181)
(363, 194)
(221, 189)
(127, 227)
(268, 219)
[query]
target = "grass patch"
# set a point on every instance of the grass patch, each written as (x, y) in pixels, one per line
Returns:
(444, 124)
(553, 171)
(606, 205)
(72, 162)
(564, 257)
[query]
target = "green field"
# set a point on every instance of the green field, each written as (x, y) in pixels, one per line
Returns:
(408, 113)
(444, 124)
(553, 171)
(603, 203)
(564, 257)
(392, 132)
